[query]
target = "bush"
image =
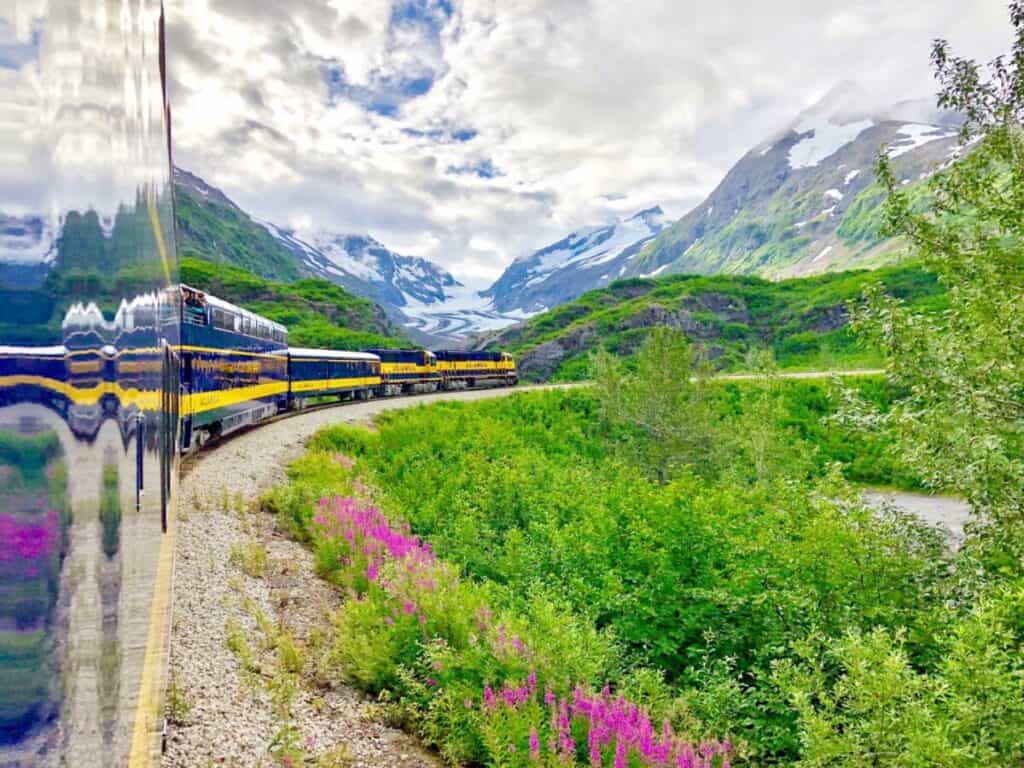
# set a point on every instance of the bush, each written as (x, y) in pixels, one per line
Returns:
(860, 698)
(540, 512)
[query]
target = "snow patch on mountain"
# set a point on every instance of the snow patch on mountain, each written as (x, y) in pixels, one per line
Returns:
(822, 138)
(916, 135)
(585, 259)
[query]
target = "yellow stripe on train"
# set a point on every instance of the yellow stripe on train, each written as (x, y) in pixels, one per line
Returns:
(200, 402)
(348, 383)
(388, 369)
(476, 365)
(145, 399)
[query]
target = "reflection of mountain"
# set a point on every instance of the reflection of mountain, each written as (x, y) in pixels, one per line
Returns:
(89, 256)
(26, 240)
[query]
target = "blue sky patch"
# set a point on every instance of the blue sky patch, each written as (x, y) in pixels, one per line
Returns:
(14, 54)
(485, 169)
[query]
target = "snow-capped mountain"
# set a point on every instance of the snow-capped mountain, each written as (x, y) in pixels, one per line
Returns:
(424, 298)
(586, 259)
(210, 225)
(806, 200)
(368, 268)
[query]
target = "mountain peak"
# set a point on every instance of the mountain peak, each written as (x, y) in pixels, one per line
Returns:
(846, 101)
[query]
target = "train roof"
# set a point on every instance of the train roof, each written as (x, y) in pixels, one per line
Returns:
(227, 306)
(332, 354)
(60, 350)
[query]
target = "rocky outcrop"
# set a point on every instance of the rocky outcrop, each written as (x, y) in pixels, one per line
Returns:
(540, 362)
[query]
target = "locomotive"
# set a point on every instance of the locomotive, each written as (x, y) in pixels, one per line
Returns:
(238, 370)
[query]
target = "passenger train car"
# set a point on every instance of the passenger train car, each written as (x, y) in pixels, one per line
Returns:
(325, 373)
(234, 367)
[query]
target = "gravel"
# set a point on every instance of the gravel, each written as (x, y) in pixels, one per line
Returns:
(232, 721)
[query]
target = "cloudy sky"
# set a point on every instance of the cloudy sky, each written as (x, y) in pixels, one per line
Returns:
(473, 131)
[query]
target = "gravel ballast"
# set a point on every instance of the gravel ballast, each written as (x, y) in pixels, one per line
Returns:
(231, 720)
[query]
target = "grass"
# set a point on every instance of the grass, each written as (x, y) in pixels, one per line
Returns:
(251, 557)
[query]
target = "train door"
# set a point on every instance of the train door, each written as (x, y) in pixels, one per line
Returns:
(169, 412)
(185, 387)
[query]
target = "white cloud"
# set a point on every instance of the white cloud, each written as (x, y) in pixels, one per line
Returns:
(578, 109)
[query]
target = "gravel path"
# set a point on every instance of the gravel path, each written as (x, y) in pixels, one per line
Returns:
(232, 719)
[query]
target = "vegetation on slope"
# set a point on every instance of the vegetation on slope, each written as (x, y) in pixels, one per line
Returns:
(316, 312)
(214, 229)
(804, 322)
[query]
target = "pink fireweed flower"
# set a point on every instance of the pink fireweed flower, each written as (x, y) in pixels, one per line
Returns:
(594, 742)
(531, 681)
(512, 749)
(489, 700)
(437, 666)
(620, 754)
(346, 461)
(534, 745)
(431, 682)
(409, 608)
(389, 621)
(549, 697)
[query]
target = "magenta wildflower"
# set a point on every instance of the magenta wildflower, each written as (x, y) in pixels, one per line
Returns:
(534, 745)
(27, 541)
(431, 682)
(512, 748)
(620, 754)
(489, 700)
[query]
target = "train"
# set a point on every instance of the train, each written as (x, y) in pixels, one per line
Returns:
(237, 370)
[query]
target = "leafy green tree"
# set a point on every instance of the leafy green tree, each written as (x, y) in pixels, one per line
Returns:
(961, 427)
(666, 399)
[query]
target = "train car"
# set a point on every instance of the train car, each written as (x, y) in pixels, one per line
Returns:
(328, 373)
(407, 371)
(234, 367)
(35, 375)
(461, 369)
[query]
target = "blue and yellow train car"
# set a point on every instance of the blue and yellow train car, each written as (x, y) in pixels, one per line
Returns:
(234, 367)
(407, 371)
(460, 369)
(321, 373)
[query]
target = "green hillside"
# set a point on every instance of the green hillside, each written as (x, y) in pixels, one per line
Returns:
(212, 228)
(316, 312)
(803, 321)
